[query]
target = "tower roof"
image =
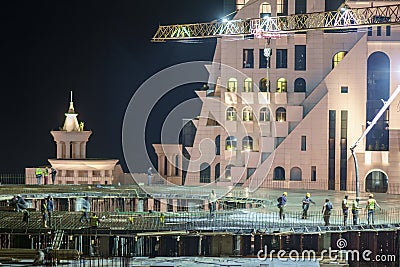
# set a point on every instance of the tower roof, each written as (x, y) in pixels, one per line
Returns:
(71, 121)
(71, 109)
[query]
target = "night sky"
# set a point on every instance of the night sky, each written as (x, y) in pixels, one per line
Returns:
(100, 50)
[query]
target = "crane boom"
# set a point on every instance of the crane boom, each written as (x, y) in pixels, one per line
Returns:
(343, 18)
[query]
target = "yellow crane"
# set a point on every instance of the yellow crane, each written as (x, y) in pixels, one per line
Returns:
(270, 27)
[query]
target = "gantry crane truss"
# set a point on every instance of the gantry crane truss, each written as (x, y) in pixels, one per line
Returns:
(268, 27)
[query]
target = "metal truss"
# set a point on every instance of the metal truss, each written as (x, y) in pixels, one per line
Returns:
(273, 26)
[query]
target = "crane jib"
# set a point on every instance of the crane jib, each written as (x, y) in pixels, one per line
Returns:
(343, 18)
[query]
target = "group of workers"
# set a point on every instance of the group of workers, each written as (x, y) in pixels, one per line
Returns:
(44, 173)
(327, 207)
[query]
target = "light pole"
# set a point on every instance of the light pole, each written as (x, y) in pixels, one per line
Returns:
(371, 124)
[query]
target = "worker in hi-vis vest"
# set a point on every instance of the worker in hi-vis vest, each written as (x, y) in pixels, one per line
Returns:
(39, 174)
(371, 206)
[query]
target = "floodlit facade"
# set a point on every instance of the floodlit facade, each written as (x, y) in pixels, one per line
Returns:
(291, 125)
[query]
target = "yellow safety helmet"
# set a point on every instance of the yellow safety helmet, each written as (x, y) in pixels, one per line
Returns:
(371, 195)
(308, 195)
(285, 193)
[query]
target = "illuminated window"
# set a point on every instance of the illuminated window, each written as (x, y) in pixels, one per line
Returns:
(247, 114)
(248, 85)
(281, 114)
(264, 114)
(265, 10)
(281, 7)
(281, 85)
(247, 143)
(231, 143)
(248, 58)
(299, 85)
(241, 3)
(231, 114)
(264, 85)
(232, 85)
(337, 58)
(228, 174)
(279, 174)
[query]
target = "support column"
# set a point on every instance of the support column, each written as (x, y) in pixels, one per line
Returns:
(180, 166)
(67, 150)
(83, 150)
(59, 150)
(161, 164)
(171, 167)
(76, 153)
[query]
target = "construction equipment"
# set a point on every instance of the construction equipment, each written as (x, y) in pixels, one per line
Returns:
(268, 27)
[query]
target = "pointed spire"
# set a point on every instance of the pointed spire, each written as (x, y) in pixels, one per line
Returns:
(71, 106)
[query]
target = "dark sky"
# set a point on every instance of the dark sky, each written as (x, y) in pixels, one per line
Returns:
(99, 49)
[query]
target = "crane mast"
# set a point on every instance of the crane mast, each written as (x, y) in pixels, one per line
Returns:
(343, 18)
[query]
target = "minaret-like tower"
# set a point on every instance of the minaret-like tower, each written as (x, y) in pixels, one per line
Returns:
(71, 140)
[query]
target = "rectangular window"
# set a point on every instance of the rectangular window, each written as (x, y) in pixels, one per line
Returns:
(263, 60)
(388, 30)
(300, 7)
(282, 7)
(303, 143)
(369, 31)
(248, 58)
(379, 31)
(344, 89)
(313, 173)
(331, 151)
(281, 58)
(250, 172)
(343, 149)
(299, 57)
(170, 205)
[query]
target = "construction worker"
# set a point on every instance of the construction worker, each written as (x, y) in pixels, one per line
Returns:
(94, 220)
(162, 218)
(355, 207)
(39, 174)
(371, 205)
(326, 211)
(306, 204)
(212, 202)
(43, 210)
(50, 209)
(281, 205)
(345, 208)
(46, 175)
(85, 209)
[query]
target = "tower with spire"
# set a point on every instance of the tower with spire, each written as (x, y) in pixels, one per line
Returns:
(72, 138)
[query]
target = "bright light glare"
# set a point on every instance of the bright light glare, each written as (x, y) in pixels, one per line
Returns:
(225, 20)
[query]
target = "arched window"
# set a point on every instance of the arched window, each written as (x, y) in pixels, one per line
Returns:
(247, 143)
(232, 85)
(217, 145)
(228, 174)
(378, 88)
(217, 171)
(264, 85)
(231, 114)
(231, 143)
(279, 174)
(337, 58)
(295, 174)
(265, 10)
(247, 114)
(205, 173)
(376, 181)
(248, 85)
(264, 114)
(281, 85)
(299, 85)
(281, 114)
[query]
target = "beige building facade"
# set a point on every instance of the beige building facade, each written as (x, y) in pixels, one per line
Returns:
(291, 125)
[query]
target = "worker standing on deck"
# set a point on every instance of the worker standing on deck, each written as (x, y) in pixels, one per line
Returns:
(43, 210)
(39, 173)
(46, 175)
(94, 220)
(355, 208)
(326, 211)
(345, 208)
(371, 206)
(281, 205)
(21, 203)
(50, 209)
(85, 209)
(306, 205)
(212, 202)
